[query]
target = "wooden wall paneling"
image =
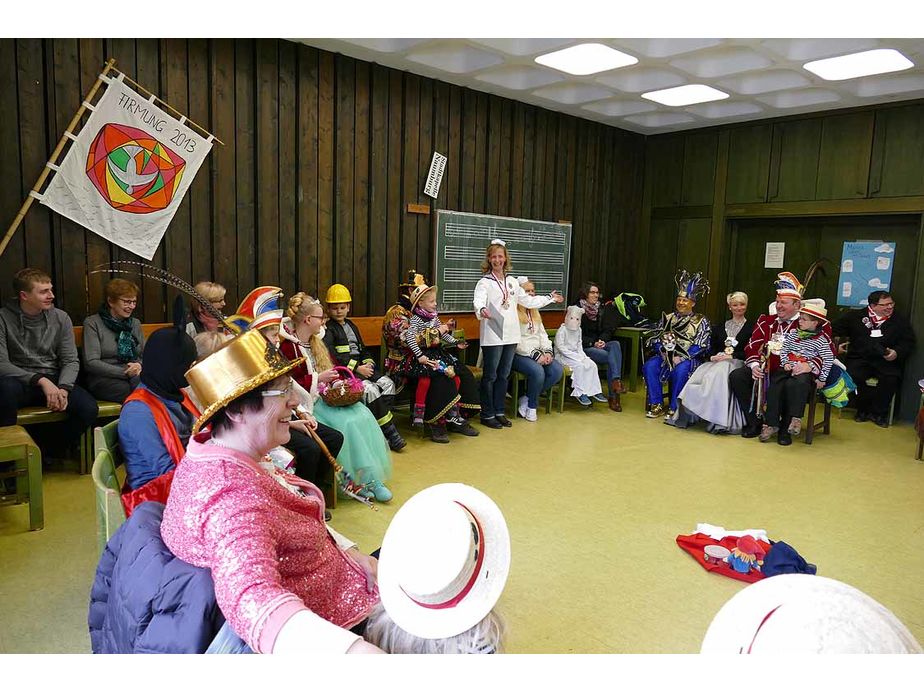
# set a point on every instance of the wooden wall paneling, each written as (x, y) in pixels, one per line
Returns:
(605, 198)
(569, 151)
(481, 151)
(175, 82)
(287, 167)
(267, 161)
(699, 153)
(409, 191)
(344, 123)
(693, 247)
(518, 137)
(361, 222)
(425, 149)
(578, 218)
(36, 227)
(52, 136)
(200, 192)
(147, 73)
(92, 61)
(306, 229)
(441, 138)
(794, 159)
(467, 188)
(529, 154)
(245, 165)
(454, 151)
(748, 164)
(223, 174)
(664, 165)
(325, 256)
(394, 267)
(506, 140)
(549, 209)
(381, 294)
(720, 257)
(844, 156)
(539, 184)
(492, 192)
(661, 262)
(12, 195)
(589, 241)
(897, 166)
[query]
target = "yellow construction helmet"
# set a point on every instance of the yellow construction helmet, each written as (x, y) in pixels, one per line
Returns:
(338, 293)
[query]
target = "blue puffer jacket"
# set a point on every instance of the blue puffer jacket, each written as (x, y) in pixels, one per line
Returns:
(146, 600)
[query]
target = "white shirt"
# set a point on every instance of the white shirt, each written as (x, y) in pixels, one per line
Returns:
(489, 293)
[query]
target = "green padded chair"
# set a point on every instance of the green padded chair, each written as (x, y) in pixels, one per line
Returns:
(16, 445)
(109, 511)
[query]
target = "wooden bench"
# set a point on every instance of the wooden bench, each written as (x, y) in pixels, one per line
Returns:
(18, 447)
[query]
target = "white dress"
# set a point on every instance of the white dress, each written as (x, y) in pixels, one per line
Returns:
(585, 378)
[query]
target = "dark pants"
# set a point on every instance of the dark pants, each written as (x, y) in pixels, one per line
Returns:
(496, 364)
(81, 407)
(741, 384)
(310, 462)
(611, 355)
(112, 389)
(787, 397)
(873, 400)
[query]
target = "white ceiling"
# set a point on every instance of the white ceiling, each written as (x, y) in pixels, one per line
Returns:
(764, 77)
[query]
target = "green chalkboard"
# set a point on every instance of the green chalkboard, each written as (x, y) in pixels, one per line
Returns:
(540, 250)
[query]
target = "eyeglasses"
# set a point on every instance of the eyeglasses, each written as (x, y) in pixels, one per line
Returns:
(885, 305)
(129, 301)
(278, 393)
(322, 318)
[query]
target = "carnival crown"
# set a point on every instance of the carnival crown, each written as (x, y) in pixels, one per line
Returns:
(788, 285)
(262, 307)
(692, 286)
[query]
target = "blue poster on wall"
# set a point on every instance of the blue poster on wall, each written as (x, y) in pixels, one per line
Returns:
(866, 266)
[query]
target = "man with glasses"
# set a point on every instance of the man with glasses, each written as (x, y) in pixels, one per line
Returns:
(875, 343)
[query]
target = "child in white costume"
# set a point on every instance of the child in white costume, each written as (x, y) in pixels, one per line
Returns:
(585, 379)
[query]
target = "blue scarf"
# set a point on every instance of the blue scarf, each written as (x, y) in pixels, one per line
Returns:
(125, 340)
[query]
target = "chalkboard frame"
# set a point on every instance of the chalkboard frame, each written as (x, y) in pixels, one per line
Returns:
(456, 288)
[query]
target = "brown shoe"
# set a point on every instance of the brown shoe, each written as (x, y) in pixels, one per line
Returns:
(617, 387)
(615, 404)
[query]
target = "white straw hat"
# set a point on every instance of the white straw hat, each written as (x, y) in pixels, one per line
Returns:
(805, 614)
(444, 561)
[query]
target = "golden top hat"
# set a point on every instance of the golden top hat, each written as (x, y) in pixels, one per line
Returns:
(240, 365)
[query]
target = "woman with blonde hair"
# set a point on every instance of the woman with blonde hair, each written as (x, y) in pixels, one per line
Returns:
(365, 454)
(707, 395)
(199, 320)
(534, 357)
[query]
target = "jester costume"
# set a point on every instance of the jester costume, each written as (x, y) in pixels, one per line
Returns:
(679, 334)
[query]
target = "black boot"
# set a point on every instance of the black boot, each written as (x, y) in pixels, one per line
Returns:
(395, 441)
(751, 428)
(438, 433)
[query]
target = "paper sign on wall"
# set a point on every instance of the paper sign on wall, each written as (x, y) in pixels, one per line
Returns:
(773, 255)
(435, 176)
(866, 265)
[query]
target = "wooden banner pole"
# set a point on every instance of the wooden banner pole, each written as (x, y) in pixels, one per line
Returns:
(54, 156)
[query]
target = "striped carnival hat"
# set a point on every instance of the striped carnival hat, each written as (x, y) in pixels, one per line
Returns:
(815, 307)
(261, 308)
(788, 286)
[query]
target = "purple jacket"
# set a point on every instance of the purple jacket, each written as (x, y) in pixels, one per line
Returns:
(146, 600)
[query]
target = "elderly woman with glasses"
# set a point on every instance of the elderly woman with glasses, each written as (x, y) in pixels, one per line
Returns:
(112, 344)
(284, 581)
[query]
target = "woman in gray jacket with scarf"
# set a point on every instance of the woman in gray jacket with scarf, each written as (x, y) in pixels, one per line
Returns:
(112, 344)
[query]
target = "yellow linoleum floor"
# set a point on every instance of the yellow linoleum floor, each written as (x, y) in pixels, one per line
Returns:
(594, 501)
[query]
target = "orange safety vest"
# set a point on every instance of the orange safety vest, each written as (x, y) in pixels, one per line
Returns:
(157, 489)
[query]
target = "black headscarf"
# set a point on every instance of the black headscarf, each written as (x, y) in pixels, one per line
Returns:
(168, 354)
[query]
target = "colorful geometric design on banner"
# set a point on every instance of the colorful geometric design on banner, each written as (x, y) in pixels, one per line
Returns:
(133, 171)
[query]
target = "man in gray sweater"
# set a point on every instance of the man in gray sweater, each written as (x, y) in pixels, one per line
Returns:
(38, 357)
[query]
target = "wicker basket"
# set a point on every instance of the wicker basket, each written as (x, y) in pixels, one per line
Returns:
(343, 392)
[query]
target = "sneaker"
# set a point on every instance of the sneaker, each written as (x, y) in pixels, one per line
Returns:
(654, 411)
(767, 432)
(584, 400)
(522, 406)
(380, 492)
(600, 397)
(795, 426)
(530, 415)
(462, 426)
(503, 421)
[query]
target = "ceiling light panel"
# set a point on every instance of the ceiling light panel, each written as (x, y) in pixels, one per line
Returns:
(874, 62)
(586, 59)
(685, 95)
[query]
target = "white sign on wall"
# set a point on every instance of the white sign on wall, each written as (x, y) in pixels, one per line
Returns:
(435, 176)
(773, 255)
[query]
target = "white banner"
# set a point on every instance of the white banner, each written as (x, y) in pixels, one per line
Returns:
(127, 171)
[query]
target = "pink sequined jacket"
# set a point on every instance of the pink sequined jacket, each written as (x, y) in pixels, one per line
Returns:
(269, 550)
